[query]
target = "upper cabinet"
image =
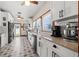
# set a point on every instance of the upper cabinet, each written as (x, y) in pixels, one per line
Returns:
(71, 8)
(4, 19)
(57, 9)
(63, 9)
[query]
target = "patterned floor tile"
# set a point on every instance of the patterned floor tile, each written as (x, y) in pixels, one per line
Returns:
(19, 47)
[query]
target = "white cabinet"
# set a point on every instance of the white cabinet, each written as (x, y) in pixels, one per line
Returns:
(4, 25)
(31, 39)
(57, 6)
(64, 52)
(71, 8)
(3, 40)
(65, 8)
(56, 50)
(42, 47)
(46, 48)
(38, 45)
(51, 51)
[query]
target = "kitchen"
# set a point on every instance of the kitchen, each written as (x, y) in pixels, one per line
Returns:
(62, 40)
(52, 30)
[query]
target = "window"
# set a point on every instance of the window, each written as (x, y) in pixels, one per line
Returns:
(46, 20)
(39, 23)
(34, 25)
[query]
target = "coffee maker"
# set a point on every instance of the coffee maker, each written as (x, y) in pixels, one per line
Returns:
(70, 31)
(56, 31)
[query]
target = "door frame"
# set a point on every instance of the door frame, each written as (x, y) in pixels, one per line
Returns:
(20, 27)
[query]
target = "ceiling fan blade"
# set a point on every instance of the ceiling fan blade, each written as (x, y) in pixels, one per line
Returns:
(34, 2)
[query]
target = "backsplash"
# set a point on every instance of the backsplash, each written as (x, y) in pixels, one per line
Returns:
(62, 23)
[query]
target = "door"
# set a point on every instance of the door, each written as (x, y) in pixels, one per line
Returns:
(17, 28)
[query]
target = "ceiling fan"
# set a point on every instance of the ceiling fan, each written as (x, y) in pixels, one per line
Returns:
(28, 2)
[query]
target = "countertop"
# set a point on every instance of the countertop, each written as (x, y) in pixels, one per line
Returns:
(72, 45)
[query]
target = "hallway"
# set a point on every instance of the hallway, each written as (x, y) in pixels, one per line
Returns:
(19, 47)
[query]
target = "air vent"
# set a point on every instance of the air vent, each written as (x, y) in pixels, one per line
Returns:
(19, 12)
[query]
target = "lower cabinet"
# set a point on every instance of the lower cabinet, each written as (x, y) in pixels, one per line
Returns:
(4, 41)
(31, 39)
(52, 53)
(55, 50)
(46, 48)
(41, 47)
(38, 45)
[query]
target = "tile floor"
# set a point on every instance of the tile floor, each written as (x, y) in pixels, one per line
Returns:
(19, 47)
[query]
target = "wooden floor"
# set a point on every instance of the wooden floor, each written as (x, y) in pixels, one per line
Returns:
(19, 47)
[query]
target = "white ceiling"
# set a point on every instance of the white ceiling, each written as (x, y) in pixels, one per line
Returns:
(15, 6)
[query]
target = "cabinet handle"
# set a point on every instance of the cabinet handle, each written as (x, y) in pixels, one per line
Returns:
(53, 54)
(54, 46)
(39, 38)
(39, 43)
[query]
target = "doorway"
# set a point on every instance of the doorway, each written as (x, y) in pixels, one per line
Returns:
(17, 29)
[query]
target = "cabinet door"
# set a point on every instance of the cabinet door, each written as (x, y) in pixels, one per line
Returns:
(44, 48)
(49, 52)
(71, 8)
(38, 45)
(32, 41)
(57, 6)
(3, 40)
(30, 38)
(52, 50)
(63, 52)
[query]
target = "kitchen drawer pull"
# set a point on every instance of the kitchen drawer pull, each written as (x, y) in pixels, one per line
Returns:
(54, 46)
(39, 38)
(39, 43)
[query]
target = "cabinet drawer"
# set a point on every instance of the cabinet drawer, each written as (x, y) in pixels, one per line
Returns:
(64, 52)
(60, 50)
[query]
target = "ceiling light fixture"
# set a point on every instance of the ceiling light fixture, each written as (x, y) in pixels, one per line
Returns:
(27, 2)
(19, 17)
